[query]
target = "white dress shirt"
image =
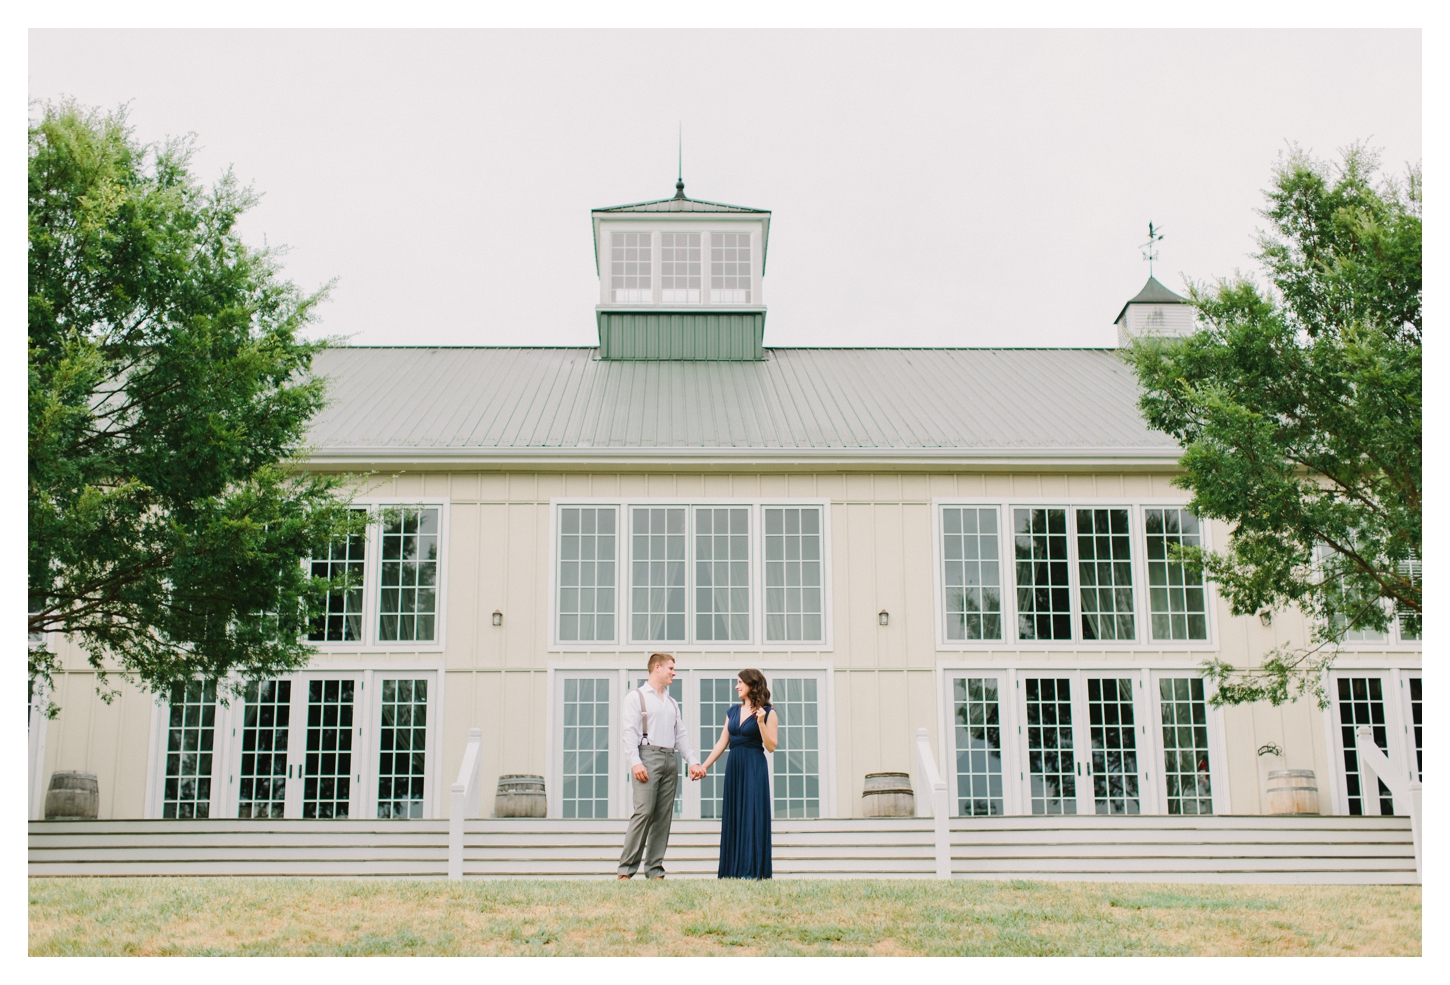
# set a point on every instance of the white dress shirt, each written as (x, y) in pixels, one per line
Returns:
(665, 726)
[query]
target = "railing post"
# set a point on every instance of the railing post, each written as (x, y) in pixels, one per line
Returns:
(1407, 793)
(464, 799)
(935, 791)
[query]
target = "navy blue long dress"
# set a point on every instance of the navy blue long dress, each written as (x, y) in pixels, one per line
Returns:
(745, 825)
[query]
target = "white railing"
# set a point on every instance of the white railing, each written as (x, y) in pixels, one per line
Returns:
(933, 800)
(1406, 792)
(466, 800)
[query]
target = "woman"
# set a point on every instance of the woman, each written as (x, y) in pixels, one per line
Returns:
(750, 731)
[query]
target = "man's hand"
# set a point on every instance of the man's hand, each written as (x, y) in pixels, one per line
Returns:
(697, 772)
(641, 774)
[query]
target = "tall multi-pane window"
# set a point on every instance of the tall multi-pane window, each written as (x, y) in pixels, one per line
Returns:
(409, 599)
(722, 574)
(402, 748)
(971, 573)
(190, 734)
(730, 268)
(1362, 702)
(341, 618)
(1051, 766)
(680, 268)
(1185, 745)
(717, 694)
(1416, 711)
(585, 771)
(586, 573)
(658, 588)
(1176, 604)
(794, 602)
(327, 766)
(977, 715)
(266, 723)
(797, 757)
(629, 268)
(1348, 624)
(1113, 735)
(1043, 606)
(1105, 574)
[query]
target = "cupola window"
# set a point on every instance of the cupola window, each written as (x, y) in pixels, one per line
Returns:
(730, 268)
(630, 268)
(680, 268)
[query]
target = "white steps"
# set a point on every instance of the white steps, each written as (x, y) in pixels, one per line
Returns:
(1142, 848)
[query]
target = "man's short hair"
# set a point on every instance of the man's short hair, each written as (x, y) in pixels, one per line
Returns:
(658, 658)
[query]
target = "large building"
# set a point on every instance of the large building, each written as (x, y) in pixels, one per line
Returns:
(974, 541)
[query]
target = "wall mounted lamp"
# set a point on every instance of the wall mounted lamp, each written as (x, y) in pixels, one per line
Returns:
(883, 617)
(497, 618)
(1266, 617)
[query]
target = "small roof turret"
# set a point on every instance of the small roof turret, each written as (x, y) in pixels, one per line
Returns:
(1155, 310)
(1152, 293)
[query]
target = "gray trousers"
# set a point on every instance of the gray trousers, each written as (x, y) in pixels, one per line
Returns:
(654, 809)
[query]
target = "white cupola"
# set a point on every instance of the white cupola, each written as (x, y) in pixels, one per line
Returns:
(1154, 311)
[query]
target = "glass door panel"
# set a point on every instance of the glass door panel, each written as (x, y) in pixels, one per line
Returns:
(1360, 701)
(190, 738)
(1113, 733)
(265, 732)
(1052, 770)
(1186, 775)
(795, 764)
(976, 713)
(326, 767)
(403, 747)
(585, 747)
(717, 694)
(1416, 730)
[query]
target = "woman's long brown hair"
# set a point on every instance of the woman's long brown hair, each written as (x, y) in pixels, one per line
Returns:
(755, 690)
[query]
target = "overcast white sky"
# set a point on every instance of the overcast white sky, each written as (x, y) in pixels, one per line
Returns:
(928, 188)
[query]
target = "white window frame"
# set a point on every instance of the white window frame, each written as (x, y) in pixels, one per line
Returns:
(1152, 794)
(690, 667)
(227, 746)
(1008, 567)
(1398, 725)
(653, 225)
(372, 584)
(624, 558)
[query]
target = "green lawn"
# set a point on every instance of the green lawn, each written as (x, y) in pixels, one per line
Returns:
(157, 916)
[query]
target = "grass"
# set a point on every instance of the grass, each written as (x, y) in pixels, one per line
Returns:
(166, 916)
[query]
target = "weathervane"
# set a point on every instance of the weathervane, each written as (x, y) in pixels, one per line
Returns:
(680, 181)
(1150, 248)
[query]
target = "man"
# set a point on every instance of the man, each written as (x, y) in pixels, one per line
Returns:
(653, 730)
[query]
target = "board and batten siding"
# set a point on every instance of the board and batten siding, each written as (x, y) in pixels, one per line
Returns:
(886, 680)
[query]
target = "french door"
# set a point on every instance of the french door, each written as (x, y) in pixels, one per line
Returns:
(592, 777)
(335, 746)
(1083, 742)
(1389, 702)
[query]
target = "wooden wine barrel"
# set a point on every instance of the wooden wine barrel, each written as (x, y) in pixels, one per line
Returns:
(520, 795)
(1293, 792)
(888, 795)
(72, 796)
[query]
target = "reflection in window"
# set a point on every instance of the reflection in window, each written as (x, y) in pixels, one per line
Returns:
(409, 602)
(979, 746)
(797, 758)
(1114, 740)
(342, 613)
(1050, 757)
(191, 731)
(586, 747)
(1176, 609)
(971, 574)
(722, 574)
(1185, 745)
(1105, 575)
(1362, 702)
(1040, 541)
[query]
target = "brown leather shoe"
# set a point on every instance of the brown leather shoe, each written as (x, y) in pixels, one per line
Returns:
(656, 877)
(623, 876)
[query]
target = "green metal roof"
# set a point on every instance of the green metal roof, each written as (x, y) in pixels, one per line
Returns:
(412, 404)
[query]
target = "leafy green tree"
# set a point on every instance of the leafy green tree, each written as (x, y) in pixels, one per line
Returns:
(169, 398)
(1299, 409)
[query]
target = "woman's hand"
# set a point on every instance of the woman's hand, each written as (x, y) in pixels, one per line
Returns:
(769, 728)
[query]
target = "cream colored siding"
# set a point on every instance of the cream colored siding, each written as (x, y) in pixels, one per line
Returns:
(887, 679)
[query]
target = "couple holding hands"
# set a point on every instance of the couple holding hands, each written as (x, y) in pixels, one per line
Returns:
(654, 731)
